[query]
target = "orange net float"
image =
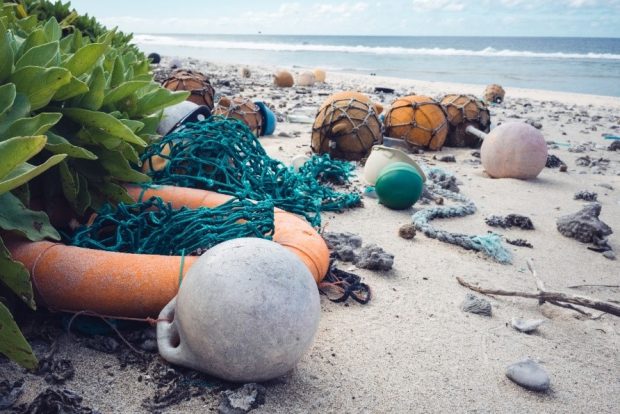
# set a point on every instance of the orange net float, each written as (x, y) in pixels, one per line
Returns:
(71, 278)
(419, 120)
(242, 109)
(463, 111)
(494, 93)
(283, 79)
(346, 126)
(201, 90)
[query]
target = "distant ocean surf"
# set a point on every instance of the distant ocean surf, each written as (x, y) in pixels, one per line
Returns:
(584, 65)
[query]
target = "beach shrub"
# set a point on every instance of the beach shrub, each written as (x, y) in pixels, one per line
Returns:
(84, 103)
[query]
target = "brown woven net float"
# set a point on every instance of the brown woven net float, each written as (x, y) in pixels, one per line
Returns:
(463, 111)
(419, 120)
(346, 126)
(494, 93)
(201, 90)
(242, 109)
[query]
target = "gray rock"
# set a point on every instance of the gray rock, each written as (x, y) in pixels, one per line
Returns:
(446, 158)
(343, 245)
(609, 254)
(529, 374)
(584, 225)
(242, 400)
(474, 304)
(373, 257)
(614, 146)
(585, 195)
(526, 325)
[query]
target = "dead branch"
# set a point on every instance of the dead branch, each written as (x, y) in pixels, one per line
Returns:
(547, 296)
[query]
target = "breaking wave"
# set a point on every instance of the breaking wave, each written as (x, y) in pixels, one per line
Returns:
(376, 50)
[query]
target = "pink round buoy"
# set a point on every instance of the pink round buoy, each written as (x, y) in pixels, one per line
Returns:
(514, 150)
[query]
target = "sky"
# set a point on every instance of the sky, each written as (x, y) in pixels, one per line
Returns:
(584, 18)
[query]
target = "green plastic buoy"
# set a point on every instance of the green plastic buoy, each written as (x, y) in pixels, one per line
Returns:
(399, 186)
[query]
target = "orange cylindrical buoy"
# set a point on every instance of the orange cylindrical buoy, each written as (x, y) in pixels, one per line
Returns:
(135, 285)
(419, 120)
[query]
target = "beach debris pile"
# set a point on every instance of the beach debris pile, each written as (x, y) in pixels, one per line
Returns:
(347, 247)
(242, 109)
(477, 305)
(529, 374)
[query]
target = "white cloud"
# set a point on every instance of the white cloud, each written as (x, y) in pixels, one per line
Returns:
(443, 5)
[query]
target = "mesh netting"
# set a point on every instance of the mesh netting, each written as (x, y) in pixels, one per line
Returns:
(200, 89)
(463, 111)
(242, 109)
(223, 155)
(154, 227)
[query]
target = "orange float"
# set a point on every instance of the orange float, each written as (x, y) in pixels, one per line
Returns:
(419, 120)
(70, 278)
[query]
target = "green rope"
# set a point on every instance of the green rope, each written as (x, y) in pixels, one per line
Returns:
(223, 155)
(154, 227)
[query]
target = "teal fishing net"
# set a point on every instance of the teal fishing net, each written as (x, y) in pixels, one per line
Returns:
(223, 155)
(154, 227)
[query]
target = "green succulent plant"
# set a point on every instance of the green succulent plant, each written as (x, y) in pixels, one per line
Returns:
(75, 97)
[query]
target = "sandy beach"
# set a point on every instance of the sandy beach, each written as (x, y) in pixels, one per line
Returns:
(412, 349)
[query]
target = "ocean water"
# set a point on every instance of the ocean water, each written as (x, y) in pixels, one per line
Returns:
(583, 65)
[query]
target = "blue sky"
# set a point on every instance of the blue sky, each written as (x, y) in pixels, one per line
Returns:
(597, 18)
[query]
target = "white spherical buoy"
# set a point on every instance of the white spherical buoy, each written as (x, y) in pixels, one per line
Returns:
(514, 150)
(320, 75)
(306, 79)
(246, 311)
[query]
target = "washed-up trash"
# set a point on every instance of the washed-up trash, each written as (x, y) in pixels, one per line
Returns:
(399, 186)
(463, 111)
(526, 325)
(381, 156)
(283, 79)
(419, 120)
(198, 84)
(381, 89)
(237, 311)
(494, 93)
(306, 78)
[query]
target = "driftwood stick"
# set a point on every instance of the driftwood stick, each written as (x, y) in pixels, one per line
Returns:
(580, 286)
(550, 297)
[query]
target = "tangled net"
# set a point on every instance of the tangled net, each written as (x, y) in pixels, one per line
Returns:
(154, 227)
(463, 111)
(419, 120)
(490, 244)
(223, 155)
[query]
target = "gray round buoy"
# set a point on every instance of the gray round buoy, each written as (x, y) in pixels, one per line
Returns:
(246, 311)
(154, 58)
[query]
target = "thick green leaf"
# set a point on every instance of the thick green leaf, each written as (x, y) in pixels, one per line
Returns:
(59, 145)
(130, 153)
(40, 84)
(123, 91)
(15, 276)
(7, 97)
(74, 88)
(26, 172)
(66, 42)
(83, 199)
(28, 24)
(34, 39)
(160, 99)
(78, 41)
(118, 73)
(96, 85)
(37, 125)
(94, 136)
(119, 167)
(6, 53)
(17, 150)
(135, 126)
(150, 124)
(39, 56)
(52, 30)
(20, 109)
(105, 122)
(85, 58)
(70, 183)
(34, 225)
(12, 342)
(114, 193)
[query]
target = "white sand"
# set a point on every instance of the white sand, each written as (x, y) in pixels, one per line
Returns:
(412, 349)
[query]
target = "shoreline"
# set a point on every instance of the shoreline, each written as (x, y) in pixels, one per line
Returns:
(412, 348)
